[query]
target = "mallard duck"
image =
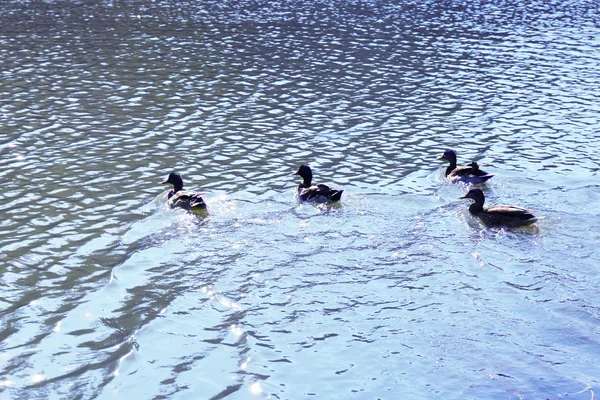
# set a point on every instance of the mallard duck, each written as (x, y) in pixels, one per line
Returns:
(498, 216)
(469, 173)
(319, 193)
(178, 197)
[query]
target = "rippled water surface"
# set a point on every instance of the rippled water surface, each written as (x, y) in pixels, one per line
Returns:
(396, 292)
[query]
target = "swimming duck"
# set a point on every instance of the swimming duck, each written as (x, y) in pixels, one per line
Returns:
(178, 197)
(498, 216)
(469, 173)
(319, 193)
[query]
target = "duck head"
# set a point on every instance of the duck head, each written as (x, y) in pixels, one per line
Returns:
(306, 173)
(476, 195)
(175, 180)
(450, 156)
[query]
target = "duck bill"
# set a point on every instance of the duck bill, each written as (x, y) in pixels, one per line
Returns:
(464, 197)
(164, 182)
(441, 157)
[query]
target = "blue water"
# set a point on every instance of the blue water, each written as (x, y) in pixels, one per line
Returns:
(395, 292)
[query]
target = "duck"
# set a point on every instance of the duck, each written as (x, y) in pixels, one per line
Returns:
(500, 215)
(179, 198)
(469, 173)
(318, 193)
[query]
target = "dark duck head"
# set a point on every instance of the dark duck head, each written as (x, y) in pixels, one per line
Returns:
(478, 199)
(450, 156)
(175, 180)
(306, 174)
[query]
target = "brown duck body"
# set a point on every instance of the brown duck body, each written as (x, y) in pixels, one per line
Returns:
(187, 199)
(500, 215)
(504, 216)
(318, 193)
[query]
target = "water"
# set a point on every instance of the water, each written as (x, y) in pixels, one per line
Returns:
(397, 292)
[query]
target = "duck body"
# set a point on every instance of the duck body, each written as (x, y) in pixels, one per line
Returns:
(179, 198)
(470, 173)
(318, 193)
(500, 215)
(187, 199)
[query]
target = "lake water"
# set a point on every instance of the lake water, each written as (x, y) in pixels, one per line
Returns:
(395, 293)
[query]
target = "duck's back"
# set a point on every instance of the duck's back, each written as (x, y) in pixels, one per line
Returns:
(187, 199)
(468, 173)
(467, 170)
(319, 193)
(505, 215)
